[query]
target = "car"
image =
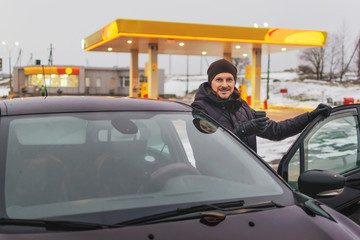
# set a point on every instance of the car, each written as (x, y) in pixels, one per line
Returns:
(123, 168)
(330, 144)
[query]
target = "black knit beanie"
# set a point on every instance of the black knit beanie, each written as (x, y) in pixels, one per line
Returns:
(221, 66)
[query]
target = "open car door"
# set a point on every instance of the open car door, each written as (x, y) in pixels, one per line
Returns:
(331, 145)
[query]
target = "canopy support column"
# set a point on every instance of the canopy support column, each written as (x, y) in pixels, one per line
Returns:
(134, 74)
(256, 77)
(227, 56)
(153, 76)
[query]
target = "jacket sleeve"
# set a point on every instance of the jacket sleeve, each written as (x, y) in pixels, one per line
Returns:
(280, 130)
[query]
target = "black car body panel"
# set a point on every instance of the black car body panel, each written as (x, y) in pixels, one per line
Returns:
(40, 105)
(260, 225)
(135, 169)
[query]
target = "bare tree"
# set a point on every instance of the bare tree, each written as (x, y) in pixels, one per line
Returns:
(315, 57)
(335, 55)
(356, 62)
(305, 71)
(240, 63)
(332, 53)
(344, 63)
(341, 42)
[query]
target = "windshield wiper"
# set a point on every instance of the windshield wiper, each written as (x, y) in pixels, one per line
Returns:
(256, 207)
(53, 225)
(172, 215)
(216, 212)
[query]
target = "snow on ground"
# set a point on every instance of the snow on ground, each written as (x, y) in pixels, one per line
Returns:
(302, 94)
(309, 93)
(273, 151)
(305, 94)
(4, 91)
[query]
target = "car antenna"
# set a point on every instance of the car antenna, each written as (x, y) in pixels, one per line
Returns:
(44, 89)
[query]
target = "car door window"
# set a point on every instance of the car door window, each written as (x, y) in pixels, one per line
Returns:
(332, 144)
(294, 169)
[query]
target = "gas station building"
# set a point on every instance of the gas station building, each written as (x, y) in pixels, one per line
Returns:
(76, 80)
(155, 37)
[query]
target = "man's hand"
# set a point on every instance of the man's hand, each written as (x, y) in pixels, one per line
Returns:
(254, 126)
(322, 109)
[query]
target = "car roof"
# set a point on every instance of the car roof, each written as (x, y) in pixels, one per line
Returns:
(38, 105)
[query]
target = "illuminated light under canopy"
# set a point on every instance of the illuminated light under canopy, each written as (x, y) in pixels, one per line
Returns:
(237, 46)
(181, 44)
(283, 49)
(110, 49)
(244, 54)
(129, 42)
(203, 53)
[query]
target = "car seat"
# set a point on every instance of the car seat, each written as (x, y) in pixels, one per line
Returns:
(42, 180)
(118, 175)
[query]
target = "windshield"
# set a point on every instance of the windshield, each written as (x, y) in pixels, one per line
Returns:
(66, 165)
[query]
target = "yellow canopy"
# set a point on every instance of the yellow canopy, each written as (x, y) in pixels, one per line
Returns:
(122, 35)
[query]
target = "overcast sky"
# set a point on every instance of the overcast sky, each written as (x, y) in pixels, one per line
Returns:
(36, 24)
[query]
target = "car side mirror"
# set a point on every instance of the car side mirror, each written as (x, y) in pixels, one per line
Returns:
(321, 183)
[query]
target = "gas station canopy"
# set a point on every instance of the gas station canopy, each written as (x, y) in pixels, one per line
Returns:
(154, 37)
(122, 35)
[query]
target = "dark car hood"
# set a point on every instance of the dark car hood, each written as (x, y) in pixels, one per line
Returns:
(283, 223)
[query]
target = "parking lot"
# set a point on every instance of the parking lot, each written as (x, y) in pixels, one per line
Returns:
(280, 113)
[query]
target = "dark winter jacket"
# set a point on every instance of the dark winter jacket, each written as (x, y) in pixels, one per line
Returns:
(233, 112)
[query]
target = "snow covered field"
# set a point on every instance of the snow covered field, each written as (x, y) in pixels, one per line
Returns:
(4, 91)
(302, 94)
(305, 94)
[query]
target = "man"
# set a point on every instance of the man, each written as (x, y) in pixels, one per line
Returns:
(219, 98)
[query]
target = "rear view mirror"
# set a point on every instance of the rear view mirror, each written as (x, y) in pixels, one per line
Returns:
(125, 126)
(321, 183)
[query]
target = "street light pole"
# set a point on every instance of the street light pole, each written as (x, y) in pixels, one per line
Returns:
(9, 50)
(10, 72)
(268, 77)
(187, 75)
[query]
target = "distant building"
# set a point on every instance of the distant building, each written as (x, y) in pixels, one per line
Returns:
(76, 80)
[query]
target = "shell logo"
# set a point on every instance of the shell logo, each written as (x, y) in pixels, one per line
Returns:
(110, 30)
(68, 71)
(293, 36)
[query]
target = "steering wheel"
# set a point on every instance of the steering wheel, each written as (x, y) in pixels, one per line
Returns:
(159, 177)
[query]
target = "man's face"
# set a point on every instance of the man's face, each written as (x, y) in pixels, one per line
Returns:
(223, 85)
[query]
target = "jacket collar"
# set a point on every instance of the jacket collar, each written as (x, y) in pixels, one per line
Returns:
(205, 93)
